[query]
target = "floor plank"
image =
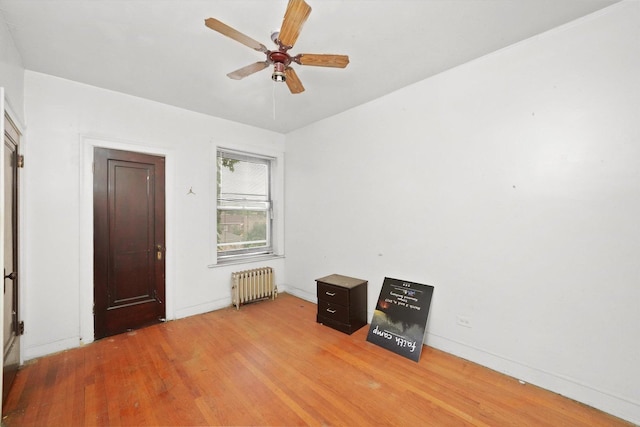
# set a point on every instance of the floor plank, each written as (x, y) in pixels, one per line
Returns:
(270, 363)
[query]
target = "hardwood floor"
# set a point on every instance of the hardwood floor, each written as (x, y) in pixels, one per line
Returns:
(271, 364)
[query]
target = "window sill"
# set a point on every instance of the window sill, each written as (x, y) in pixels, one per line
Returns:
(245, 260)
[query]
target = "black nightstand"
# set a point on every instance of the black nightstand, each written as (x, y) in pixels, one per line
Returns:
(342, 302)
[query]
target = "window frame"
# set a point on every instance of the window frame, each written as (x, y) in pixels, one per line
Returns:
(245, 254)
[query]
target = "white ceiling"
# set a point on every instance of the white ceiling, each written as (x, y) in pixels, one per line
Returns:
(161, 50)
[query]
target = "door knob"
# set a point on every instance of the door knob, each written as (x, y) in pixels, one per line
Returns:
(11, 276)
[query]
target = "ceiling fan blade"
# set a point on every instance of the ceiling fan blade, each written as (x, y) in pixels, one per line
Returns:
(248, 70)
(294, 18)
(234, 34)
(293, 82)
(322, 60)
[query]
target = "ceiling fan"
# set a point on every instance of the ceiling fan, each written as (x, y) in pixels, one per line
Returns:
(294, 18)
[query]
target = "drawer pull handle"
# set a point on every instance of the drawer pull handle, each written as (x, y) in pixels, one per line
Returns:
(331, 294)
(331, 311)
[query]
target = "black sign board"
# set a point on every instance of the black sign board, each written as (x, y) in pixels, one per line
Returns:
(401, 317)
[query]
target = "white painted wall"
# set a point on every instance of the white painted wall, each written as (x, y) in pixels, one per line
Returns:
(511, 184)
(67, 120)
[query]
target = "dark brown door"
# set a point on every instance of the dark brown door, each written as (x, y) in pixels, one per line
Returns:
(129, 239)
(11, 322)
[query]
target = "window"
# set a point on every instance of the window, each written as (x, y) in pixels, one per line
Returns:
(244, 205)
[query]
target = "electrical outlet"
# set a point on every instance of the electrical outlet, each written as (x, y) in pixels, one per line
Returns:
(464, 321)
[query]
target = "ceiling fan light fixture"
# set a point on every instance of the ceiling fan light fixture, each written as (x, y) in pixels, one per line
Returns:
(278, 73)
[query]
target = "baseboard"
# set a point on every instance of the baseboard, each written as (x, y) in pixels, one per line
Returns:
(50, 348)
(73, 342)
(203, 308)
(300, 293)
(599, 399)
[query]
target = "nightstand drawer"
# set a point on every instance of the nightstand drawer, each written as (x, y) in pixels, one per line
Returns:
(334, 294)
(339, 313)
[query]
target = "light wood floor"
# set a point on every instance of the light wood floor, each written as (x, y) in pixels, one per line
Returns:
(271, 364)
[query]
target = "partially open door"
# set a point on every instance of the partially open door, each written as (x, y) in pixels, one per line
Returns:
(12, 326)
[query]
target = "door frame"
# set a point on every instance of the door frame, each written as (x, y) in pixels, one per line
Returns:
(85, 295)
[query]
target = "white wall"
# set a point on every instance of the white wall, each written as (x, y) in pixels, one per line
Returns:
(511, 184)
(67, 120)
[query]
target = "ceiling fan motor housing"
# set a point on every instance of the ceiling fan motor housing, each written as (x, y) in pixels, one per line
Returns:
(281, 61)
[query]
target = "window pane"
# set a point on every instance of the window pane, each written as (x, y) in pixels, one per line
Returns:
(242, 229)
(243, 205)
(241, 179)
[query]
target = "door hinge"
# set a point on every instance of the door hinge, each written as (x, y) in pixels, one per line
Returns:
(21, 328)
(20, 160)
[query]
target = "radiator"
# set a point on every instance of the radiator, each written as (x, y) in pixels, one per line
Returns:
(252, 285)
